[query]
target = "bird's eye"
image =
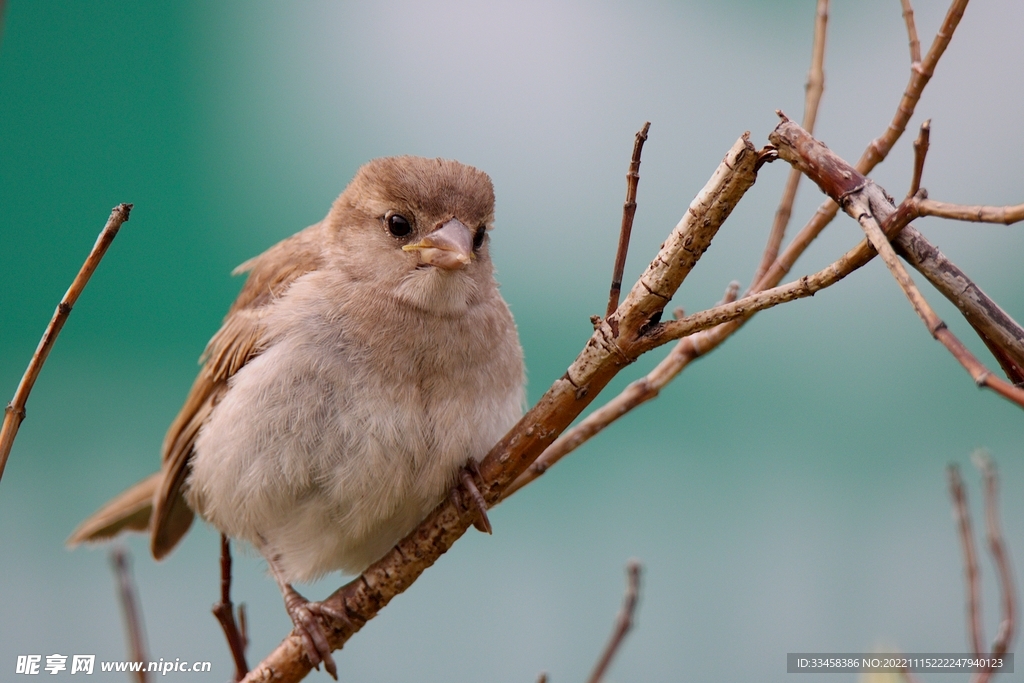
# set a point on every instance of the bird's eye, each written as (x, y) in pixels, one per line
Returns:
(398, 225)
(478, 238)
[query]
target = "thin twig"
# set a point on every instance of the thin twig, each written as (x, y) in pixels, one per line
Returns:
(920, 74)
(870, 206)
(1006, 215)
(814, 89)
(920, 152)
(1001, 559)
(134, 628)
(971, 575)
(623, 623)
(225, 613)
(915, 44)
(628, 211)
(15, 412)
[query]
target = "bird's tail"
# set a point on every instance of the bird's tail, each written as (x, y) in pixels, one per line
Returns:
(130, 510)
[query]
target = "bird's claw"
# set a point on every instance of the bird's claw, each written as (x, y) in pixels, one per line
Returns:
(468, 497)
(304, 615)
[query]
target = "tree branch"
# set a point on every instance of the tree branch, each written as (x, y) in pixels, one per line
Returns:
(915, 44)
(15, 412)
(814, 89)
(870, 206)
(994, 325)
(973, 579)
(623, 623)
(920, 152)
(628, 211)
(1000, 558)
(638, 392)
(224, 611)
(1006, 215)
(130, 608)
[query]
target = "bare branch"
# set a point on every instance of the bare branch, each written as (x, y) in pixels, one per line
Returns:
(1001, 333)
(628, 211)
(971, 575)
(815, 88)
(225, 613)
(1000, 558)
(1007, 215)
(613, 345)
(920, 74)
(869, 205)
(640, 391)
(994, 325)
(15, 412)
(920, 152)
(134, 627)
(915, 44)
(623, 623)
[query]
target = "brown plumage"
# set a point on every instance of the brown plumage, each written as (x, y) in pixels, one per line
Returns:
(366, 359)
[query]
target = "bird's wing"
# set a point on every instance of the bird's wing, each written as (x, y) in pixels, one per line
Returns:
(240, 339)
(157, 502)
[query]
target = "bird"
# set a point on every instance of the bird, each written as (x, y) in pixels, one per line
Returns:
(367, 364)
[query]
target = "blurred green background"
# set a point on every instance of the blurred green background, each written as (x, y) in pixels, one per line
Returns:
(787, 493)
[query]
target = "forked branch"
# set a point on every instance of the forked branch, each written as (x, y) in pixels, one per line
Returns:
(870, 206)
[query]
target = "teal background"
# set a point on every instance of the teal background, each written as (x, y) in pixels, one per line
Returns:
(787, 493)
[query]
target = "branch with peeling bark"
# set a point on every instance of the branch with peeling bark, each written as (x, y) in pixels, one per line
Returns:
(871, 206)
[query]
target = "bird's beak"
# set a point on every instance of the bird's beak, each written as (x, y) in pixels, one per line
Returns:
(449, 247)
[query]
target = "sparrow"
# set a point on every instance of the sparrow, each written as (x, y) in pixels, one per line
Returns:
(367, 364)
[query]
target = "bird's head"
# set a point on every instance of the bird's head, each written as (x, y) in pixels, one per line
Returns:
(417, 228)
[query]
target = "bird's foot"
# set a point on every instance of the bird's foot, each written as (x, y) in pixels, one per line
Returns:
(468, 497)
(307, 626)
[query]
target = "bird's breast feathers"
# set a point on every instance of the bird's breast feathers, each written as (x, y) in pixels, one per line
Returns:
(353, 422)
